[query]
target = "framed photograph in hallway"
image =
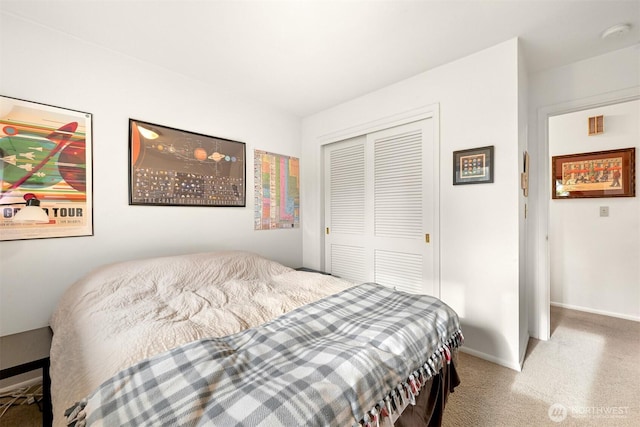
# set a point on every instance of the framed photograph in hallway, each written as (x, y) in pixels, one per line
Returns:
(473, 166)
(173, 167)
(609, 173)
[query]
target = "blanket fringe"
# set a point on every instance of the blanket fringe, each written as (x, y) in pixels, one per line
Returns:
(394, 401)
(76, 415)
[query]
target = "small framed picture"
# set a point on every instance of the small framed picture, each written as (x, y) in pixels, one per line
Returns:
(473, 166)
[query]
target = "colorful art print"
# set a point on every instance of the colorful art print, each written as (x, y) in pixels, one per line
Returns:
(277, 191)
(473, 166)
(47, 151)
(596, 174)
(172, 167)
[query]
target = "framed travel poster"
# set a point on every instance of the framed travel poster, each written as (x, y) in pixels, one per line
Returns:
(46, 154)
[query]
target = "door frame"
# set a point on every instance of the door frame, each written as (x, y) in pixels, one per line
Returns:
(431, 111)
(542, 296)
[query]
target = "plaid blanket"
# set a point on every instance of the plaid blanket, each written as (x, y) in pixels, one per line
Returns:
(348, 359)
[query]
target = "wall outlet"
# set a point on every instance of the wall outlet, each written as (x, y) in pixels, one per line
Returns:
(604, 210)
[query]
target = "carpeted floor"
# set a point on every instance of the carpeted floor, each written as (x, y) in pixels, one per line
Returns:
(589, 371)
(588, 374)
(21, 413)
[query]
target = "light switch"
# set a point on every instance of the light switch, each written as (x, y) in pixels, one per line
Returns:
(604, 210)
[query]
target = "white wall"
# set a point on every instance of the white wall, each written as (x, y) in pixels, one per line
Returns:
(595, 259)
(46, 66)
(479, 252)
(576, 86)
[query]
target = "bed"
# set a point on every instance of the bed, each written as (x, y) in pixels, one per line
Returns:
(232, 338)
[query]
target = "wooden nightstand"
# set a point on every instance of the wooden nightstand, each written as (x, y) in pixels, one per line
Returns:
(27, 351)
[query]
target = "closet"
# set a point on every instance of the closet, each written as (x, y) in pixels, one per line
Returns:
(380, 194)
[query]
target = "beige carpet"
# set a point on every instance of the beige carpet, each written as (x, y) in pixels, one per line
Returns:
(21, 413)
(591, 366)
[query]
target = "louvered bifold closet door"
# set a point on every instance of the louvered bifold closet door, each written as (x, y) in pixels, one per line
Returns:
(402, 182)
(379, 208)
(345, 211)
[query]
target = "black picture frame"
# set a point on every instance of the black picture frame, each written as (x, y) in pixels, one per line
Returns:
(473, 166)
(173, 167)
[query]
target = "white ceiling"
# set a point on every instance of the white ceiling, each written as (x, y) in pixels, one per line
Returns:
(307, 55)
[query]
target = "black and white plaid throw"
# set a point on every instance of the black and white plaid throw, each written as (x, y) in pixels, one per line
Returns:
(334, 362)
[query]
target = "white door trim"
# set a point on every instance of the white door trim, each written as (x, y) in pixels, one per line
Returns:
(414, 115)
(542, 299)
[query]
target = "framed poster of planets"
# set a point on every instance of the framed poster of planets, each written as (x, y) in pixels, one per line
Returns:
(46, 154)
(172, 167)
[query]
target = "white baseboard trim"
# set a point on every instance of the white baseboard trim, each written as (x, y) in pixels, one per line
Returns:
(524, 345)
(27, 383)
(594, 311)
(492, 359)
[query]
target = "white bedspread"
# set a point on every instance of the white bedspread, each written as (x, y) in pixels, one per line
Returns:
(125, 312)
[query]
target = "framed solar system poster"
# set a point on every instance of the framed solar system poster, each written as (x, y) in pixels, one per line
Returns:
(172, 167)
(46, 166)
(473, 166)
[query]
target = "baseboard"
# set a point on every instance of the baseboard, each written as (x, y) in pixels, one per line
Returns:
(27, 383)
(492, 359)
(594, 311)
(524, 344)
